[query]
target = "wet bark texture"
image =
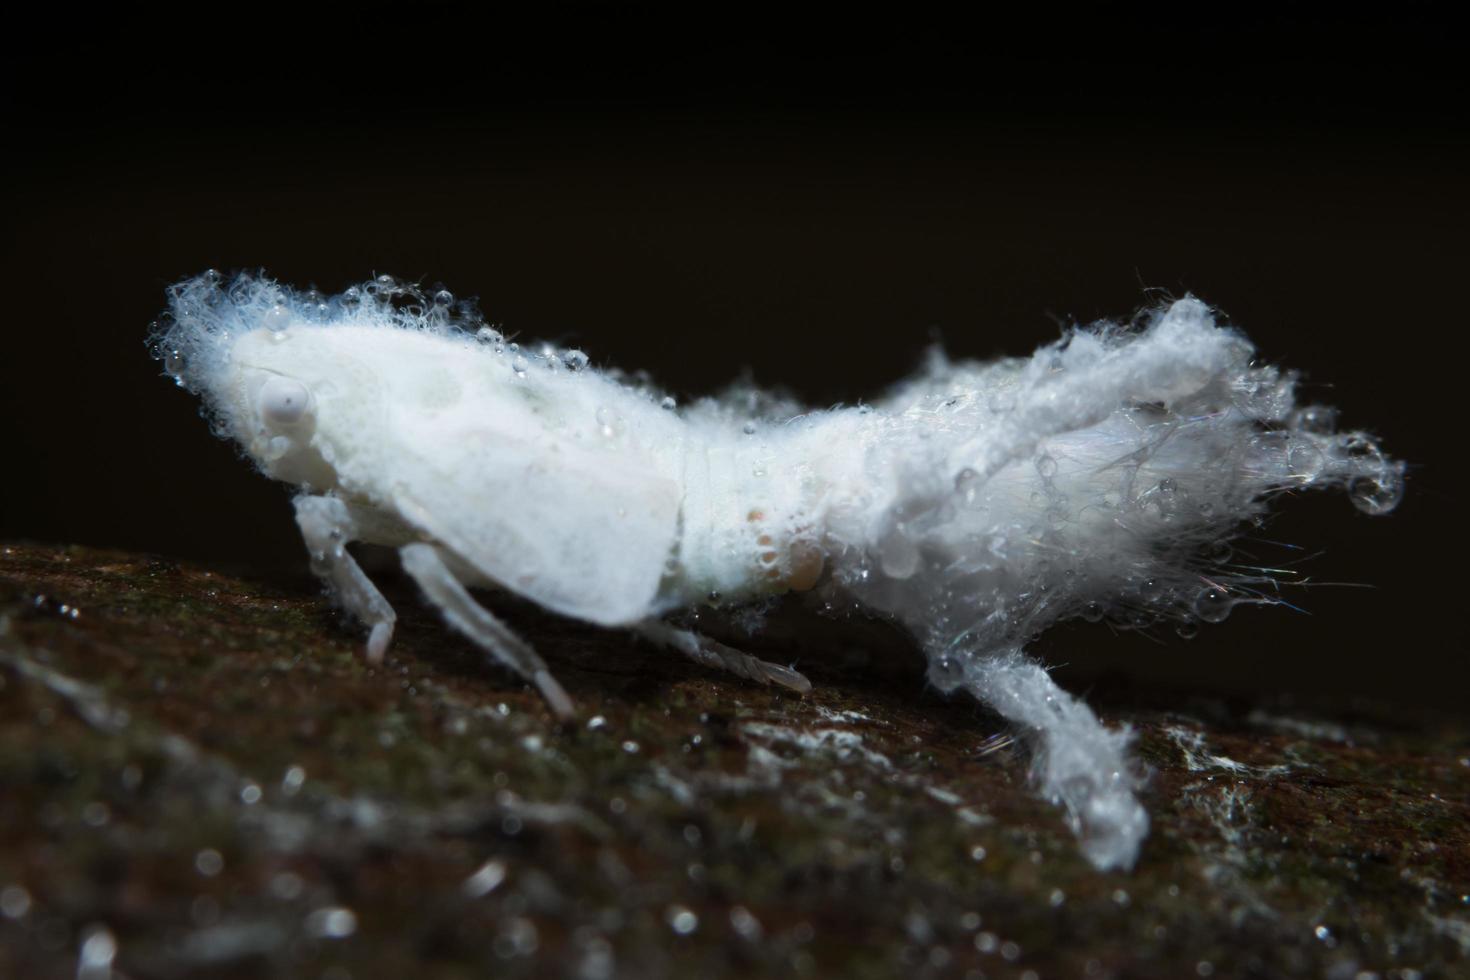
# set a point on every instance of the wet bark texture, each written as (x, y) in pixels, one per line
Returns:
(199, 776)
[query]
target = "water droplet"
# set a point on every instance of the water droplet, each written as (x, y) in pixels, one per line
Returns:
(519, 366)
(276, 319)
(682, 920)
(1092, 612)
(966, 485)
(333, 922)
(668, 403)
(513, 347)
(94, 962)
(898, 554)
(1314, 418)
(749, 428)
(1187, 630)
(1377, 495)
(15, 901)
(574, 359)
(443, 298)
(293, 780)
(488, 336)
(485, 880)
(1212, 605)
(1046, 465)
(1304, 459)
(209, 862)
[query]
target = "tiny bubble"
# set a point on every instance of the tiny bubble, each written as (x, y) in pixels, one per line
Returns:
(1376, 495)
(1212, 605)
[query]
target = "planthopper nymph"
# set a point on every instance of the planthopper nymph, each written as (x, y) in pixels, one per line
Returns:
(974, 503)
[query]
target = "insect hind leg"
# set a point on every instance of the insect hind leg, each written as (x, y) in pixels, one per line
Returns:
(327, 525)
(711, 653)
(424, 564)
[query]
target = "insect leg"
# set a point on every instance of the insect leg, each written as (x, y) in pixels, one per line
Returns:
(711, 653)
(327, 526)
(461, 611)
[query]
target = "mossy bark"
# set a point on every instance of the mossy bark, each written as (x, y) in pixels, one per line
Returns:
(199, 776)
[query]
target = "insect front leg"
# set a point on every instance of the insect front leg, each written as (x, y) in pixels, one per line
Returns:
(711, 653)
(424, 564)
(327, 526)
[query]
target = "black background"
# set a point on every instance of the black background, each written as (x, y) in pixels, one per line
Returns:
(809, 195)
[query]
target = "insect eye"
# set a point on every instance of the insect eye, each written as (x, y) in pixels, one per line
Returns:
(283, 401)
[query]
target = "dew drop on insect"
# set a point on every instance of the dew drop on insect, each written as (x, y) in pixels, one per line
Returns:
(1212, 605)
(1314, 418)
(1361, 449)
(1092, 612)
(668, 403)
(513, 347)
(443, 298)
(574, 359)
(749, 428)
(1304, 460)
(966, 485)
(1377, 494)
(1046, 465)
(276, 319)
(1187, 630)
(518, 366)
(898, 554)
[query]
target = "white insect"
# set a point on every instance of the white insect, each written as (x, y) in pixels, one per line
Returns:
(976, 504)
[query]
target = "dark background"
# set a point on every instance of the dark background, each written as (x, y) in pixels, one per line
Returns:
(808, 195)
